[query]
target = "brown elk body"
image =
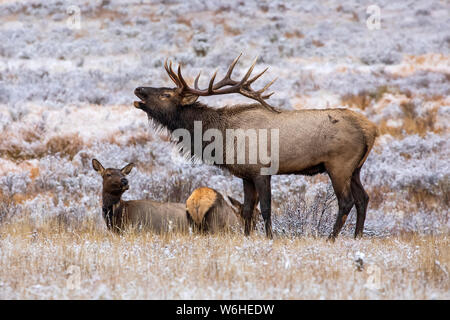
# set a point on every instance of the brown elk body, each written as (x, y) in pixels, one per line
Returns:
(208, 211)
(121, 215)
(335, 141)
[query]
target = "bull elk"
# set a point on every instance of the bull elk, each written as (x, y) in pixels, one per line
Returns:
(139, 214)
(208, 211)
(335, 141)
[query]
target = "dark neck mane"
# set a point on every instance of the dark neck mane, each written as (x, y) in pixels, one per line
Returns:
(185, 116)
(210, 117)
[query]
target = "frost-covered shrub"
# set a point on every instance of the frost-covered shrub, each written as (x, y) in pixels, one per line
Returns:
(13, 183)
(301, 215)
(314, 49)
(200, 44)
(410, 163)
(53, 57)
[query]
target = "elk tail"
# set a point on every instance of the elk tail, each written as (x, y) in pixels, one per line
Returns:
(370, 133)
(199, 203)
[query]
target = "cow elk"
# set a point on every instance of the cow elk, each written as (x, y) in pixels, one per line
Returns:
(121, 215)
(208, 211)
(310, 141)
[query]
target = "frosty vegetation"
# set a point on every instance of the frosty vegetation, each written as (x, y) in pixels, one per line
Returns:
(66, 97)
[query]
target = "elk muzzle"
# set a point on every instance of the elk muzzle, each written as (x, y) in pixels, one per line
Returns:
(124, 184)
(141, 93)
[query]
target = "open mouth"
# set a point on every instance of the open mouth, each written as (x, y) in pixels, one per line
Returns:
(139, 104)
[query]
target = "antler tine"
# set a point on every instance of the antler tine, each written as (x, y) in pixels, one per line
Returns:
(174, 76)
(268, 106)
(165, 65)
(196, 81)
(249, 72)
(211, 83)
(178, 82)
(249, 82)
(231, 86)
(227, 79)
(254, 95)
(180, 77)
(174, 79)
(261, 98)
(243, 86)
(230, 69)
(267, 86)
(267, 96)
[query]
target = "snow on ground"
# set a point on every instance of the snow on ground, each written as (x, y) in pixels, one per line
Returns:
(66, 97)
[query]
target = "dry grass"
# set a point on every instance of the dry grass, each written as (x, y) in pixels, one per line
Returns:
(412, 123)
(296, 34)
(364, 99)
(140, 138)
(67, 145)
(415, 197)
(36, 263)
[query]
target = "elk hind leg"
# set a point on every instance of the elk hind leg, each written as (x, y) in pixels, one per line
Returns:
(361, 201)
(341, 186)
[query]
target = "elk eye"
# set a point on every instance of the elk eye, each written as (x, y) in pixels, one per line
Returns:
(165, 95)
(108, 174)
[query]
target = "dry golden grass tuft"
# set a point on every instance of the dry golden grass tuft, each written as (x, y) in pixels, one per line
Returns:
(230, 30)
(318, 43)
(412, 123)
(413, 198)
(38, 262)
(183, 20)
(12, 148)
(360, 100)
(364, 99)
(67, 145)
(140, 138)
(295, 34)
(378, 196)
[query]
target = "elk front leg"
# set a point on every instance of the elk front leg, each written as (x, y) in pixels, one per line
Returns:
(262, 184)
(249, 204)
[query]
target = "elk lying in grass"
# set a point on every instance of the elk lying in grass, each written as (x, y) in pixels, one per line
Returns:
(336, 141)
(120, 215)
(208, 211)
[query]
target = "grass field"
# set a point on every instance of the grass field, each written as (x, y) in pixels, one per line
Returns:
(66, 96)
(53, 262)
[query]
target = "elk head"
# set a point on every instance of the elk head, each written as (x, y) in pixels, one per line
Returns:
(114, 180)
(238, 209)
(158, 101)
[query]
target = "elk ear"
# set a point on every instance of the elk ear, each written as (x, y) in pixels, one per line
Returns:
(127, 169)
(97, 166)
(188, 99)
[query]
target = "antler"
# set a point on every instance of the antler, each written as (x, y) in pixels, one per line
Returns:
(226, 85)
